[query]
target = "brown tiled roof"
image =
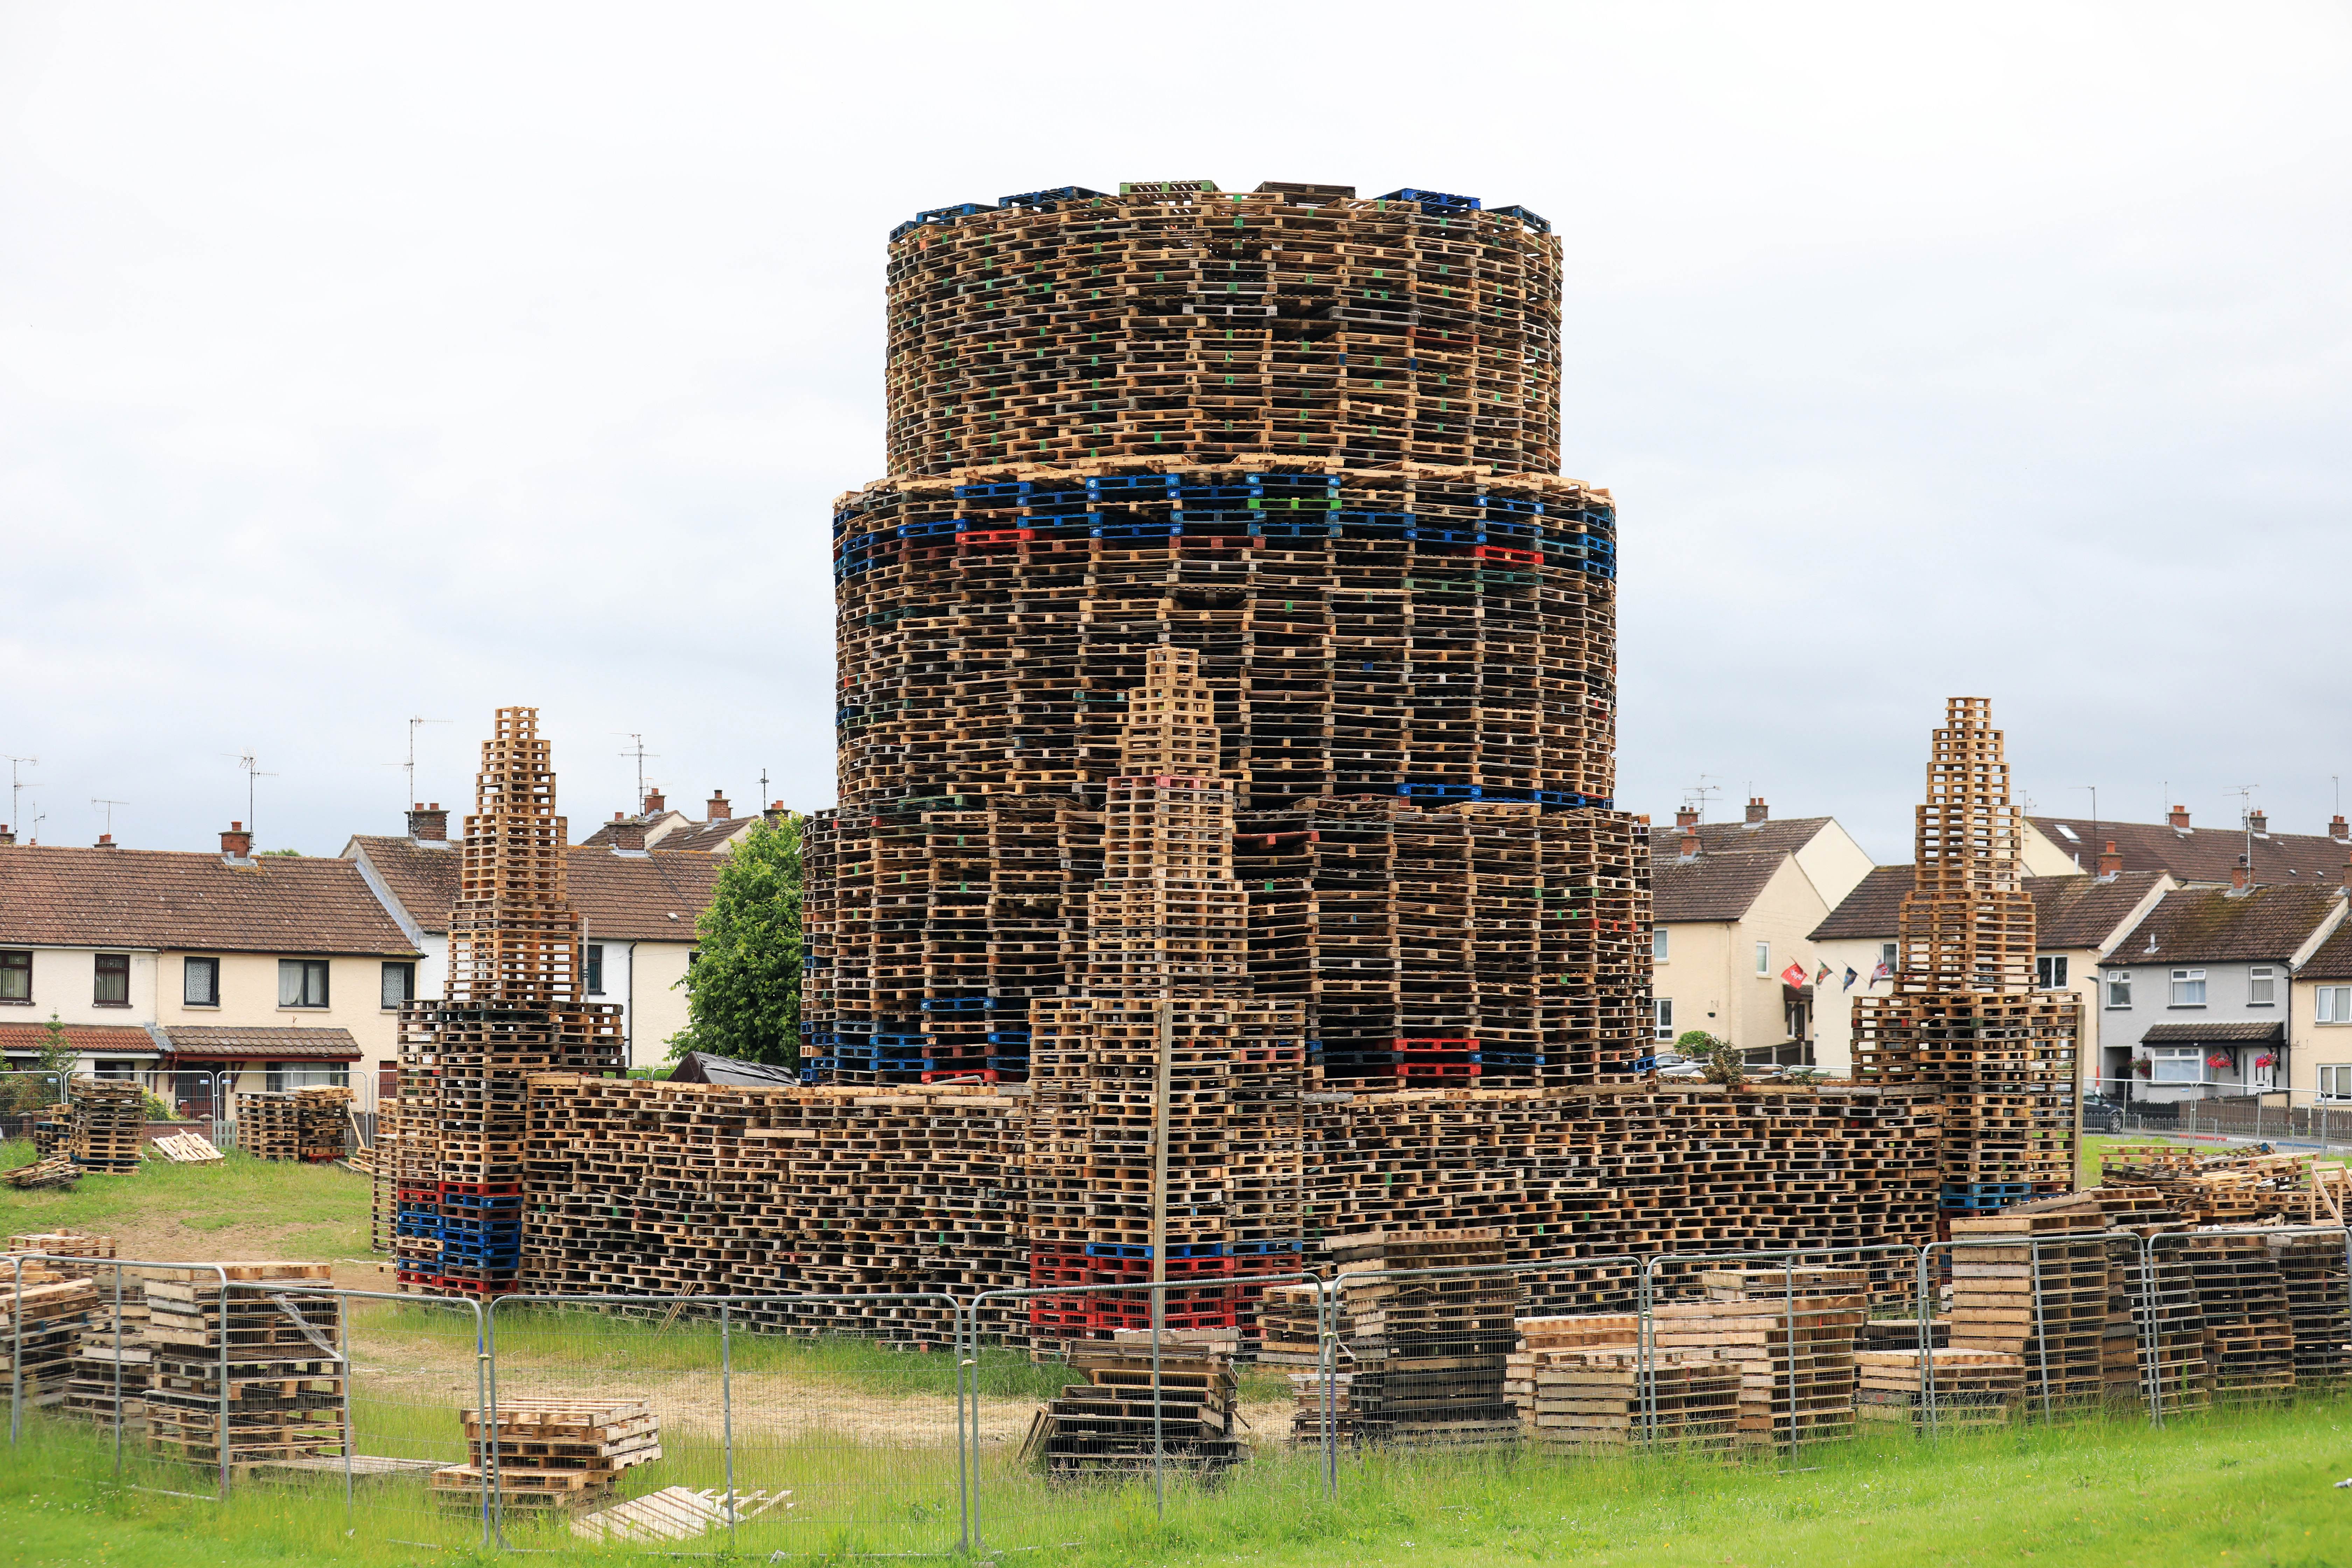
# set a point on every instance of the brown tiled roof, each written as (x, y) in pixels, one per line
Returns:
(2084, 912)
(646, 819)
(2212, 925)
(623, 898)
(170, 898)
(1870, 912)
(704, 836)
(1734, 862)
(2214, 1034)
(2199, 854)
(2334, 959)
(631, 897)
(208, 1042)
(101, 1038)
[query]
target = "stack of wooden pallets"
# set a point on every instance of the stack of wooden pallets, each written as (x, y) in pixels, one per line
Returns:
(1119, 1416)
(1790, 1334)
(42, 1320)
(1428, 1348)
(2035, 1285)
(557, 1454)
(2250, 1341)
(55, 1245)
(268, 1125)
(1955, 1388)
(2312, 1267)
(110, 1123)
(1583, 1380)
(1964, 1015)
(282, 1377)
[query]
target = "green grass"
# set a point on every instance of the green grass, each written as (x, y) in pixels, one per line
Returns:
(314, 1212)
(2244, 1487)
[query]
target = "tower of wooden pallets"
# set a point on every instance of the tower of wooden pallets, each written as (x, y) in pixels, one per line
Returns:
(1166, 1121)
(511, 1009)
(1313, 439)
(1964, 1017)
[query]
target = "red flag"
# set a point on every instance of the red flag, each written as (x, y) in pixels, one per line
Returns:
(1794, 975)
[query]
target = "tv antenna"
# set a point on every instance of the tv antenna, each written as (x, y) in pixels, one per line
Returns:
(1699, 792)
(763, 794)
(2245, 794)
(108, 806)
(39, 817)
(410, 798)
(252, 767)
(637, 750)
(16, 785)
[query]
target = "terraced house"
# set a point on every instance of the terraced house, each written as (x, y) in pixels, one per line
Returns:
(277, 970)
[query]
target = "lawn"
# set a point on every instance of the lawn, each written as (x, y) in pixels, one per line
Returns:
(2248, 1487)
(241, 1207)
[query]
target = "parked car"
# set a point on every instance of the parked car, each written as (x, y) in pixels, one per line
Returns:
(2100, 1114)
(1662, 1062)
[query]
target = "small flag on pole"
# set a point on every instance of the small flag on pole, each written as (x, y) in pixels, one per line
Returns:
(1850, 978)
(1883, 972)
(1794, 975)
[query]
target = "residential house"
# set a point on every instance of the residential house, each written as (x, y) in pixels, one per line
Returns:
(277, 971)
(660, 828)
(2320, 1023)
(2196, 1000)
(2078, 921)
(638, 911)
(1732, 905)
(2194, 857)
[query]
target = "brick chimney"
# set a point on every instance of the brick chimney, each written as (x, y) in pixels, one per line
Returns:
(2110, 863)
(2338, 830)
(2241, 879)
(2258, 821)
(778, 812)
(654, 804)
(628, 837)
(715, 808)
(428, 824)
(5, 836)
(106, 841)
(2179, 818)
(237, 844)
(1756, 812)
(2344, 881)
(1686, 816)
(1690, 841)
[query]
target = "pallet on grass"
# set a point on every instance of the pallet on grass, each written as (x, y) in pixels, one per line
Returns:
(1791, 1332)
(1123, 1413)
(259, 1368)
(1428, 1353)
(110, 1124)
(44, 1317)
(2249, 1326)
(1583, 1381)
(1956, 1388)
(2313, 1267)
(2034, 1284)
(552, 1453)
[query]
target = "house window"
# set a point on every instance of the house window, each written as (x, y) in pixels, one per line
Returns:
(2336, 1081)
(2119, 988)
(595, 969)
(399, 983)
(1666, 1027)
(112, 987)
(200, 981)
(308, 1075)
(301, 983)
(1763, 957)
(15, 977)
(1886, 956)
(117, 1068)
(2189, 988)
(2177, 1064)
(2262, 986)
(2050, 971)
(2332, 1005)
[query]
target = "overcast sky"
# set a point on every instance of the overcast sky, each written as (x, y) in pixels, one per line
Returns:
(359, 363)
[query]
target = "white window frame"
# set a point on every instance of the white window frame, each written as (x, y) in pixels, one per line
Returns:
(1763, 957)
(2050, 971)
(1658, 945)
(2336, 1080)
(2117, 983)
(1664, 1022)
(2186, 989)
(1890, 953)
(2331, 1005)
(2192, 1056)
(2261, 985)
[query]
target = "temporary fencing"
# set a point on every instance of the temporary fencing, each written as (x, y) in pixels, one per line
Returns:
(920, 1424)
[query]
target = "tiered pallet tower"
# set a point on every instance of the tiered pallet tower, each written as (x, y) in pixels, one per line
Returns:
(1964, 1016)
(1312, 439)
(511, 1009)
(1166, 1123)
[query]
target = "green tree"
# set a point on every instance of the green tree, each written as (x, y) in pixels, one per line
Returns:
(22, 1093)
(744, 989)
